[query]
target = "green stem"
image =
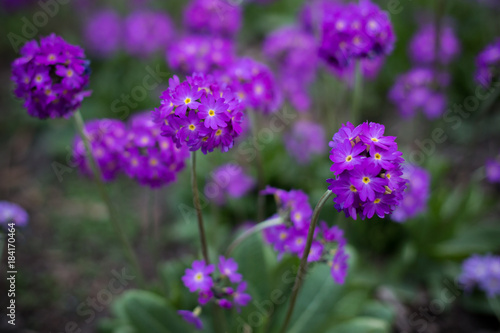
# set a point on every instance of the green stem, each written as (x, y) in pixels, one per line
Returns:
(249, 232)
(259, 165)
(129, 253)
(495, 306)
(196, 200)
(303, 261)
(357, 94)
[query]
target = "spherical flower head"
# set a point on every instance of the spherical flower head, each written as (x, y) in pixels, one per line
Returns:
(12, 213)
(228, 180)
(107, 140)
(192, 318)
(202, 54)
(103, 32)
(147, 32)
(367, 169)
(355, 31)
(50, 77)
(492, 171)
(199, 113)
(488, 64)
(305, 140)
(148, 157)
(198, 277)
(213, 17)
(420, 89)
(254, 84)
(422, 46)
(416, 194)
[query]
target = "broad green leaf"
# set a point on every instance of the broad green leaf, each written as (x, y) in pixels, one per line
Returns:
(471, 240)
(362, 325)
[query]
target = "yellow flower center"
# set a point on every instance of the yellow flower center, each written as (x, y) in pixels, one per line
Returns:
(219, 132)
(377, 156)
(153, 162)
(211, 113)
(388, 175)
(52, 57)
(348, 158)
(69, 72)
(298, 216)
(366, 180)
(187, 100)
(135, 162)
(192, 127)
(283, 235)
(352, 188)
(374, 139)
(198, 277)
(376, 201)
(299, 241)
(38, 78)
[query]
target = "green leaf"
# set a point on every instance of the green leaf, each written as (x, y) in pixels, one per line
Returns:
(479, 239)
(362, 325)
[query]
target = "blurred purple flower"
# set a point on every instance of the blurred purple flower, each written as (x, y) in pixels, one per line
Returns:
(213, 17)
(416, 194)
(202, 54)
(198, 277)
(50, 77)
(12, 213)
(149, 158)
(492, 171)
(147, 32)
(420, 89)
(422, 46)
(107, 140)
(305, 140)
(488, 64)
(191, 317)
(483, 272)
(229, 180)
(103, 32)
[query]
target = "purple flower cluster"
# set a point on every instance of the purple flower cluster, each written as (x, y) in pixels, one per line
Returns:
(106, 138)
(328, 245)
(12, 213)
(103, 32)
(147, 32)
(293, 51)
(214, 17)
(305, 140)
(416, 91)
(483, 272)
(416, 194)
(368, 174)
(488, 64)
(203, 54)
(254, 84)
(227, 289)
(199, 113)
(148, 157)
(492, 168)
(228, 180)
(354, 31)
(422, 46)
(50, 77)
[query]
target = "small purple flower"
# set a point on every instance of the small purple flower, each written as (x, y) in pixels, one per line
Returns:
(367, 183)
(339, 266)
(103, 32)
(346, 156)
(147, 32)
(213, 112)
(488, 64)
(316, 251)
(50, 77)
(305, 140)
(198, 277)
(184, 97)
(493, 171)
(240, 297)
(205, 296)
(12, 213)
(228, 268)
(483, 272)
(224, 303)
(191, 317)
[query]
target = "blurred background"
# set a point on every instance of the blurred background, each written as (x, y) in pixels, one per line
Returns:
(402, 276)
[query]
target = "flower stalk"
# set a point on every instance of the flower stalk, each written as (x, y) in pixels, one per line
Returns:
(303, 261)
(129, 253)
(199, 215)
